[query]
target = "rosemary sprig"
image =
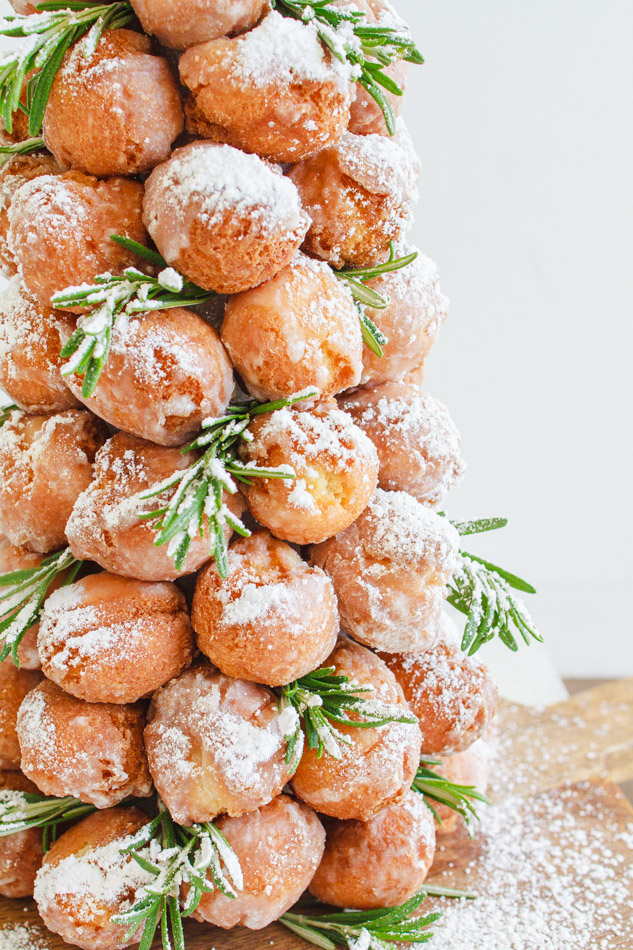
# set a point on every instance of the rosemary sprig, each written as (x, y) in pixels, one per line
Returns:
(439, 790)
(198, 489)
(114, 300)
(5, 412)
(20, 811)
(364, 930)
(22, 595)
(355, 279)
(368, 49)
(50, 33)
(176, 855)
(483, 591)
(321, 699)
(8, 152)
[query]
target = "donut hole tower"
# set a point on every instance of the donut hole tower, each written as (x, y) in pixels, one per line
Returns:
(228, 674)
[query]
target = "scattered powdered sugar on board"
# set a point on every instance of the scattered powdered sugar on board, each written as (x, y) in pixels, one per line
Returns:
(553, 872)
(22, 937)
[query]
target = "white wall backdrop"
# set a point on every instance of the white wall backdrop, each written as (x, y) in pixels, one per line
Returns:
(522, 115)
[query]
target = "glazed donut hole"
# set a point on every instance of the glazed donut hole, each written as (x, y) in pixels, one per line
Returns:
(471, 768)
(23, 7)
(85, 881)
(105, 524)
(274, 618)
(359, 195)
(411, 321)
(379, 863)
(166, 372)
(45, 464)
(378, 766)
(279, 848)
(214, 746)
(390, 570)
(60, 229)
(299, 330)
(30, 347)
(179, 24)
(417, 442)
(224, 219)
(20, 854)
(109, 639)
(15, 684)
(13, 174)
(452, 695)
(335, 470)
(276, 91)
(91, 751)
(124, 81)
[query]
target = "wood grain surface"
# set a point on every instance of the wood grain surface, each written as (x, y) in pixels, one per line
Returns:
(572, 752)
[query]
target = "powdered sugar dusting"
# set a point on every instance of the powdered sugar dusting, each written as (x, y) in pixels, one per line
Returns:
(22, 937)
(403, 530)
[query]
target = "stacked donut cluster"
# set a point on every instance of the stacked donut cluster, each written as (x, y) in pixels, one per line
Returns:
(230, 137)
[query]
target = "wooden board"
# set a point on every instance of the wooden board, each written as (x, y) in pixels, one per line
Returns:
(563, 758)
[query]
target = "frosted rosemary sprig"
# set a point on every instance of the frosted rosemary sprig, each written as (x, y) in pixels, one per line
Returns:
(50, 33)
(8, 152)
(364, 930)
(5, 412)
(439, 790)
(197, 490)
(22, 595)
(114, 300)
(368, 49)
(484, 593)
(355, 279)
(176, 855)
(20, 811)
(321, 699)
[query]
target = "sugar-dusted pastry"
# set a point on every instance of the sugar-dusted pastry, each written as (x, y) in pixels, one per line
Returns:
(378, 765)
(90, 751)
(109, 639)
(274, 618)
(15, 684)
(224, 219)
(390, 570)
(182, 23)
(14, 173)
(45, 464)
(299, 330)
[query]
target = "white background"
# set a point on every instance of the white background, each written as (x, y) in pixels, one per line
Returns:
(522, 115)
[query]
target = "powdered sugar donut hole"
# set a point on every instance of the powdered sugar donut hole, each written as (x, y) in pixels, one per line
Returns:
(379, 863)
(276, 91)
(60, 227)
(133, 88)
(109, 639)
(360, 195)
(274, 618)
(299, 330)
(105, 524)
(15, 684)
(13, 174)
(214, 746)
(226, 220)
(166, 372)
(334, 468)
(30, 346)
(411, 322)
(182, 23)
(20, 853)
(85, 880)
(390, 570)
(379, 764)
(45, 464)
(417, 441)
(91, 751)
(279, 848)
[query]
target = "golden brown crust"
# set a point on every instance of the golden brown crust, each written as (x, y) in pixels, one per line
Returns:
(272, 620)
(378, 766)
(15, 684)
(45, 464)
(13, 174)
(109, 639)
(91, 751)
(133, 88)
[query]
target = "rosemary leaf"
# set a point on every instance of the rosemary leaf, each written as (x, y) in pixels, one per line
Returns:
(7, 152)
(438, 790)
(21, 811)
